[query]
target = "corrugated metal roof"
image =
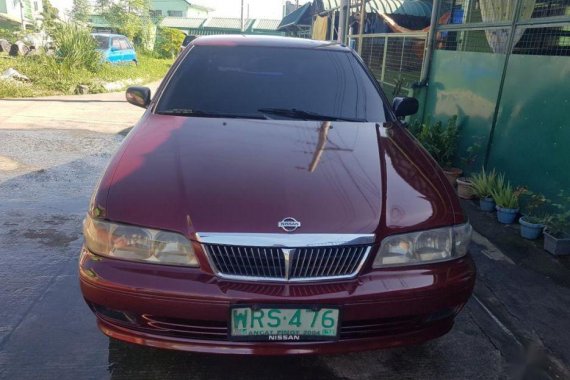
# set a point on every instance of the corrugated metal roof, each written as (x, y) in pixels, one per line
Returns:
(205, 32)
(226, 23)
(266, 24)
(182, 22)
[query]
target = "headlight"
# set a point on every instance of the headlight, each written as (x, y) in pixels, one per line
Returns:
(137, 244)
(425, 246)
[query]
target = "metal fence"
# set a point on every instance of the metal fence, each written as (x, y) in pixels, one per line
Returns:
(395, 59)
(529, 27)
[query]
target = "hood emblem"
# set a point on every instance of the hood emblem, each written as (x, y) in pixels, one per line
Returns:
(289, 224)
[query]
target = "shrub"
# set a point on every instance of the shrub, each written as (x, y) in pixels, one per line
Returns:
(75, 47)
(169, 42)
(440, 141)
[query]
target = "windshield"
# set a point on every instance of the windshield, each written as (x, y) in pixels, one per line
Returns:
(102, 42)
(272, 82)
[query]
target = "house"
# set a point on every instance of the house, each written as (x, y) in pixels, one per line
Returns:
(20, 13)
(160, 10)
(178, 8)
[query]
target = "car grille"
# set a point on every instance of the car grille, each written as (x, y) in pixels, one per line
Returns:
(284, 264)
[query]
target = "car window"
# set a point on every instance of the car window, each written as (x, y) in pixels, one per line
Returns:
(245, 79)
(116, 44)
(102, 42)
(124, 44)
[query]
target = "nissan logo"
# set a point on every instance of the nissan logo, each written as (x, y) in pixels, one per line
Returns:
(289, 224)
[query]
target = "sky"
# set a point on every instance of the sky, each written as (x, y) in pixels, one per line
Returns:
(272, 9)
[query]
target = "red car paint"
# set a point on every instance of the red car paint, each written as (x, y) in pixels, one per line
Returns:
(193, 175)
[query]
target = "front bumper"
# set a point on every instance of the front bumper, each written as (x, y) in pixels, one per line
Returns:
(187, 309)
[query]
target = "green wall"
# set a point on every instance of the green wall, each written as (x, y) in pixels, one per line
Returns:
(531, 138)
(465, 84)
(531, 142)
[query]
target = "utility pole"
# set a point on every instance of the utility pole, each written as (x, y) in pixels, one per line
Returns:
(242, 21)
(361, 25)
(342, 21)
(22, 14)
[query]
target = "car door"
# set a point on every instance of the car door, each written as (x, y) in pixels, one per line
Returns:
(129, 54)
(115, 54)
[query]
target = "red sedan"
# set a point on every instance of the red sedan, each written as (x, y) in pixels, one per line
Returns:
(270, 202)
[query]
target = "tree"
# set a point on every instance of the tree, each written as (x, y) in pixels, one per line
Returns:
(169, 42)
(50, 15)
(102, 5)
(80, 11)
(128, 17)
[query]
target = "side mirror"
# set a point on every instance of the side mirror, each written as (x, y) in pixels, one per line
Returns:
(139, 96)
(404, 106)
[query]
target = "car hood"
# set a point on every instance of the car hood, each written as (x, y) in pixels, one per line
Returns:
(200, 175)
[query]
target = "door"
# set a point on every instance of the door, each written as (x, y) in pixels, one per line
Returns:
(128, 52)
(115, 53)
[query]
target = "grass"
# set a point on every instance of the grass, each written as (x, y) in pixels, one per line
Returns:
(47, 77)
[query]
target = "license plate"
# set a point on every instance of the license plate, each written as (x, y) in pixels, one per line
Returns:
(283, 324)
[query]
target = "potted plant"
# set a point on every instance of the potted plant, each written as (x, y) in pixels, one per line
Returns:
(507, 200)
(557, 232)
(483, 184)
(441, 143)
(465, 184)
(534, 217)
(465, 188)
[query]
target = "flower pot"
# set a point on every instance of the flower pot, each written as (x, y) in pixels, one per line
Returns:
(506, 215)
(530, 231)
(452, 174)
(556, 245)
(487, 204)
(464, 188)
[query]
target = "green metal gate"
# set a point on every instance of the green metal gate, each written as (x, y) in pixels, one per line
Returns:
(507, 76)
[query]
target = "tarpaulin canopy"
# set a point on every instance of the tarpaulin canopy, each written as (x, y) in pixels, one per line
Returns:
(300, 16)
(418, 8)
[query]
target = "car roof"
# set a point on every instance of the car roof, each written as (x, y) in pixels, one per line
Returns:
(266, 41)
(108, 35)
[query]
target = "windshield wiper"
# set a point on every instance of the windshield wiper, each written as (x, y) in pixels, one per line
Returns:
(305, 115)
(199, 113)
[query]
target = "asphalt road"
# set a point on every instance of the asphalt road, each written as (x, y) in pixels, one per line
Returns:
(52, 151)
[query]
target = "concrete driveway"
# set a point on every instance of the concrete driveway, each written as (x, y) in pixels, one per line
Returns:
(103, 113)
(52, 151)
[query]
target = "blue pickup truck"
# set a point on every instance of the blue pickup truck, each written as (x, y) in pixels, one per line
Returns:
(115, 48)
